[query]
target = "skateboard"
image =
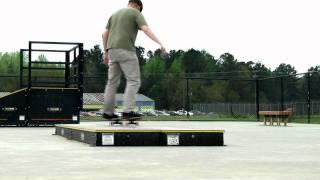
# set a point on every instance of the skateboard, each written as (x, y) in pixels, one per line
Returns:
(125, 121)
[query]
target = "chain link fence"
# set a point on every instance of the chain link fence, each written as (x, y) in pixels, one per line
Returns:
(172, 97)
(297, 93)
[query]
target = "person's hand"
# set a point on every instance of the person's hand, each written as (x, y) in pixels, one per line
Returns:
(163, 50)
(164, 54)
(105, 59)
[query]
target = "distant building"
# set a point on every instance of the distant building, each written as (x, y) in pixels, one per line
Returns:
(95, 101)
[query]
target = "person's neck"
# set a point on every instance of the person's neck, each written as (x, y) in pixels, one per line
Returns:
(132, 6)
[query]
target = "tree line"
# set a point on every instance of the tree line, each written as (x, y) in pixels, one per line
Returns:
(210, 79)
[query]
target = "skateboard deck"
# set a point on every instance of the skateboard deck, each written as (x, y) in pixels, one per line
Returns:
(125, 121)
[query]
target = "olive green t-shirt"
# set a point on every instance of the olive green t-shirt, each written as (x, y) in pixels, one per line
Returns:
(123, 28)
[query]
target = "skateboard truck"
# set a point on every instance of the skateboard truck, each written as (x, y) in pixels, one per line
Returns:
(125, 121)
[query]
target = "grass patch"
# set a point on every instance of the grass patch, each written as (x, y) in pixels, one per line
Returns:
(197, 118)
(315, 119)
(183, 118)
(217, 117)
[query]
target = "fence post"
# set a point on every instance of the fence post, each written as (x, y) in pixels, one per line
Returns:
(188, 99)
(29, 82)
(282, 92)
(21, 68)
(257, 99)
(80, 73)
(309, 98)
(67, 70)
(29, 65)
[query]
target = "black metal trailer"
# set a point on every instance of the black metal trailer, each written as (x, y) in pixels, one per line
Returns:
(46, 102)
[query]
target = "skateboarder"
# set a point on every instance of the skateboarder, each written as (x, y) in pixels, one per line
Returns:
(120, 55)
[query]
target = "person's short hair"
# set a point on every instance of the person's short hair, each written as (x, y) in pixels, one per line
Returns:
(138, 2)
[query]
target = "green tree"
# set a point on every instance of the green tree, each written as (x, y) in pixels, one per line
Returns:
(212, 63)
(314, 83)
(285, 69)
(176, 66)
(93, 61)
(9, 65)
(238, 89)
(228, 63)
(152, 80)
(95, 75)
(290, 82)
(140, 54)
(173, 55)
(266, 87)
(259, 70)
(194, 61)
(154, 66)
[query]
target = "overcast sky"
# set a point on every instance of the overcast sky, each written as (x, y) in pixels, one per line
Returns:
(269, 31)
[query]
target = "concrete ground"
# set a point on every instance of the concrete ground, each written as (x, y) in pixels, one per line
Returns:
(252, 151)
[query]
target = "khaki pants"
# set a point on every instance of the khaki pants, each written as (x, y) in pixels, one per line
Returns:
(127, 62)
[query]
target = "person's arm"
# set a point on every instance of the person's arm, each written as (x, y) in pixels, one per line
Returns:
(105, 36)
(152, 36)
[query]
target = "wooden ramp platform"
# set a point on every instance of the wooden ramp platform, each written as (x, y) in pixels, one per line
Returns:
(105, 135)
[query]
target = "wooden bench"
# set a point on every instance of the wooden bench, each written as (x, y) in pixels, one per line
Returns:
(276, 115)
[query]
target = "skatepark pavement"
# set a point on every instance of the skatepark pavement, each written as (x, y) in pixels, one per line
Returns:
(251, 151)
